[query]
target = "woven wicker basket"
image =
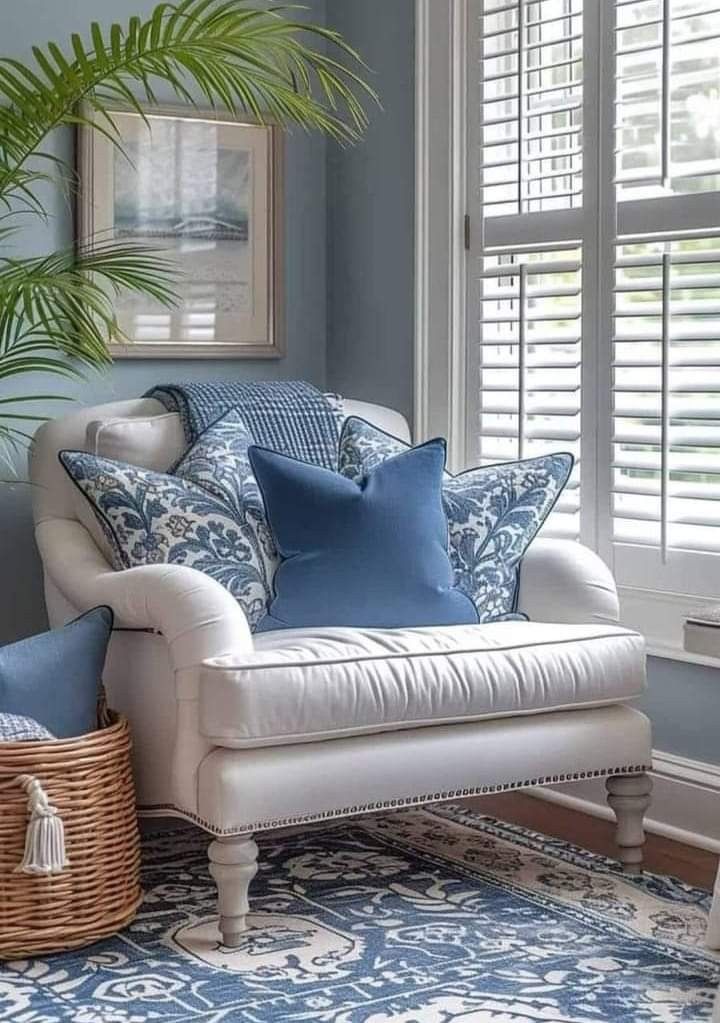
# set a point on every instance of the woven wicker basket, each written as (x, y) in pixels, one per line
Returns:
(88, 780)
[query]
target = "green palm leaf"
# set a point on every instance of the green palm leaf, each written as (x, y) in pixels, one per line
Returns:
(257, 62)
(57, 312)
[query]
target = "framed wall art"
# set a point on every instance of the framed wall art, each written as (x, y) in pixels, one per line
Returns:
(206, 192)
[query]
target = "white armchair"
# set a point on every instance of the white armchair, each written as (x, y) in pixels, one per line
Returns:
(242, 734)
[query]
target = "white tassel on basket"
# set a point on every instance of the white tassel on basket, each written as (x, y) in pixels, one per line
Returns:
(45, 834)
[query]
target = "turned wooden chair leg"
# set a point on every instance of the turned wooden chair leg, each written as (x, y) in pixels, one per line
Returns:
(629, 797)
(233, 864)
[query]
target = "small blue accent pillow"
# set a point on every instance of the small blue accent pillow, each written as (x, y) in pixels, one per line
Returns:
(493, 512)
(54, 678)
(207, 514)
(369, 555)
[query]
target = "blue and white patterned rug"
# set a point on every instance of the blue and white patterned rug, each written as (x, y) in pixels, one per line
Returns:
(420, 916)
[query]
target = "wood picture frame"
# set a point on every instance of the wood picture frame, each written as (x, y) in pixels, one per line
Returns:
(206, 190)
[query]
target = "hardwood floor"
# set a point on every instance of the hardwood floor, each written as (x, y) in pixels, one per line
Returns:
(662, 855)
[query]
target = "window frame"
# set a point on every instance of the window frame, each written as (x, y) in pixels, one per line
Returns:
(447, 244)
(440, 212)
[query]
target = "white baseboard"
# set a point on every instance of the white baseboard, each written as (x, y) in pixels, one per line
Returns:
(685, 801)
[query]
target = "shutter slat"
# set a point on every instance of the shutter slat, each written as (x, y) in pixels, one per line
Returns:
(541, 432)
(682, 538)
(538, 292)
(712, 8)
(678, 441)
(634, 486)
(708, 387)
(651, 460)
(572, 363)
(500, 8)
(533, 268)
(684, 337)
(679, 414)
(697, 362)
(530, 318)
(686, 283)
(490, 407)
(539, 340)
(567, 504)
(710, 518)
(564, 388)
(695, 258)
(691, 307)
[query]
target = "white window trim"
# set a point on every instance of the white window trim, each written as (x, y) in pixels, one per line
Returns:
(441, 138)
(440, 190)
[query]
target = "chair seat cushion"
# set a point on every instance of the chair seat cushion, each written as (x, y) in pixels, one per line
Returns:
(306, 685)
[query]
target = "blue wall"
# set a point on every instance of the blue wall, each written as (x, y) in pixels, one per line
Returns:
(34, 22)
(371, 203)
(683, 701)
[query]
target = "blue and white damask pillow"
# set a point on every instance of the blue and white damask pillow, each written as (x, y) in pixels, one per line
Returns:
(207, 514)
(493, 512)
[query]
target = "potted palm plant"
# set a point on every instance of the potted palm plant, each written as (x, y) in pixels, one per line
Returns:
(56, 310)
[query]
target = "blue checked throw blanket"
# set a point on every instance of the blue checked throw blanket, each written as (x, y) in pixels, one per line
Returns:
(18, 728)
(289, 416)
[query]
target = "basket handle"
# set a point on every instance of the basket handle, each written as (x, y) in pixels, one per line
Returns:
(45, 834)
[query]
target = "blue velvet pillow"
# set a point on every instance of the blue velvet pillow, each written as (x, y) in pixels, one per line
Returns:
(370, 555)
(54, 678)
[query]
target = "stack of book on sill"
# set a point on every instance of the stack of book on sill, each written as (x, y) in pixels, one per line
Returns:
(702, 631)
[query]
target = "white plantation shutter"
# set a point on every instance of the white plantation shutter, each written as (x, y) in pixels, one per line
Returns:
(525, 291)
(666, 303)
(666, 456)
(531, 67)
(594, 299)
(529, 365)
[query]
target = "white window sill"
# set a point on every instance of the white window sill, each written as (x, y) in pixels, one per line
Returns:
(671, 653)
(660, 617)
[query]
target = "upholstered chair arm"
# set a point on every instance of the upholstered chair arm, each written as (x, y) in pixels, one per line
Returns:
(562, 581)
(196, 615)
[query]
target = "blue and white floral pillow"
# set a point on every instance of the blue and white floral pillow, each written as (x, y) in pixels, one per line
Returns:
(493, 512)
(207, 514)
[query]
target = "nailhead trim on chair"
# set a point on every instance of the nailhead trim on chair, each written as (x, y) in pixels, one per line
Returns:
(395, 804)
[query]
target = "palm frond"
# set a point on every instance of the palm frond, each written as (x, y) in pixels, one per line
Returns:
(258, 62)
(57, 312)
(57, 318)
(63, 303)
